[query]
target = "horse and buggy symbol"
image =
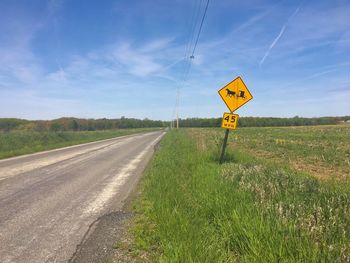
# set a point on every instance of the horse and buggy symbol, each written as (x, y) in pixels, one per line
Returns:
(231, 93)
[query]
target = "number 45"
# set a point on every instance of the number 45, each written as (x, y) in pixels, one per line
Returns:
(233, 118)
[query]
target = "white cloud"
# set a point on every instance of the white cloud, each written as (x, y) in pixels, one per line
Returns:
(141, 61)
(103, 80)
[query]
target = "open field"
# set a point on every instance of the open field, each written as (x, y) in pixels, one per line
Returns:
(24, 142)
(256, 207)
(323, 151)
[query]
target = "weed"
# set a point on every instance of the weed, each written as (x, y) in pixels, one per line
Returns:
(247, 210)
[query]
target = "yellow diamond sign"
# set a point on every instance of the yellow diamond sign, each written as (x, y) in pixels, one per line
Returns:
(229, 121)
(235, 94)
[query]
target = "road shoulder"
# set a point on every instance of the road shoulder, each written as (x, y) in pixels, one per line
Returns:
(108, 238)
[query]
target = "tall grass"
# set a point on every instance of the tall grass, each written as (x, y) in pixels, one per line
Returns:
(194, 210)
(18, 143)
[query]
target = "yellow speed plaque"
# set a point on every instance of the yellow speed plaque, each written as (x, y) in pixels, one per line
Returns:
(229, 121)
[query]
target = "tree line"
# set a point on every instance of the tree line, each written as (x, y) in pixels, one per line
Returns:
(264, 121)
(76, 124)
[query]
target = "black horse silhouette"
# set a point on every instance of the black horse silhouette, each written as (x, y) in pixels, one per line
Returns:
(230, 93)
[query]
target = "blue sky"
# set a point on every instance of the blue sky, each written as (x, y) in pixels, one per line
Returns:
(127, 58)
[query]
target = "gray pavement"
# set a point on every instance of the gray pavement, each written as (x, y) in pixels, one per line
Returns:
(48, 200)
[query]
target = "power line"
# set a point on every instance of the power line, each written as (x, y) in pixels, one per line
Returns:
(192, 28)
(188, 48)
(200, 29)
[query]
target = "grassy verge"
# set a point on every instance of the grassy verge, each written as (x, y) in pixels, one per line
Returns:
(247, 210)
(19, 143)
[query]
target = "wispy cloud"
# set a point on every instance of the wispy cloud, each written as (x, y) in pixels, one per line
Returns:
(119, 61)
(251, 21)
(345, 88)
(274, 42)
(143, 61)
(135, 62)
(268, 9)
(325, 71)
(140, 63)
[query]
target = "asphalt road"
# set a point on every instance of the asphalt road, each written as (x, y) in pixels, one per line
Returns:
(48, 200)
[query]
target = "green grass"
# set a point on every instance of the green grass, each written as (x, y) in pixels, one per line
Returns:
(248, 210)
(19, 143)
(326, 147)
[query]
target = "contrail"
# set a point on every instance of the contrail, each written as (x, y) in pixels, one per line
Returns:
(173, 64)
(54, 6)
(295, 13)
(272, 45)
(274, 42)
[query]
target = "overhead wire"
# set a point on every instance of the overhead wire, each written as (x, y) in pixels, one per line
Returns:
(188, 48)
(200, 28)
(192, 26)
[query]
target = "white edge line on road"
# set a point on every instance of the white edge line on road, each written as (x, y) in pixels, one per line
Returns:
(117, 181)
(72, 146)
(15, 169)
(28, 166)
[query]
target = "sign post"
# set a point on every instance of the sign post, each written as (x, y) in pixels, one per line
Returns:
(235, 94)
(224, 146)
(229, 121)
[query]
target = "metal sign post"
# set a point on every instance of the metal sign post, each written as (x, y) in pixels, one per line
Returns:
(229, 121)
(224, 146)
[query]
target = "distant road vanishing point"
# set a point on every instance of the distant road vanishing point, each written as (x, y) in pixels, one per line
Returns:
(48, 200)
